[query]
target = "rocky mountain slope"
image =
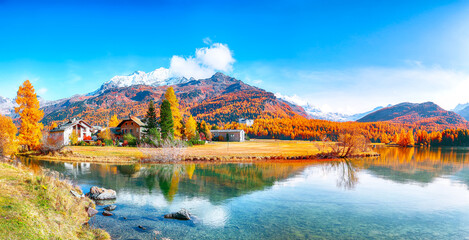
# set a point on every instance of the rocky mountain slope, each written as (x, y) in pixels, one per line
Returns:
(427, 113)
(219, 98)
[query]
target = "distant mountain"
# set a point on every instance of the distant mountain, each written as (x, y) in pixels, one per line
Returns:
(219, 98)
(463, 110)
(460, 107)
(7, 106)
(159, 77)
(316, 113)
(427, 113)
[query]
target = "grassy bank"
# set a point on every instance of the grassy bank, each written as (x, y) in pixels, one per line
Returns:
(34, 206)
(215, 151)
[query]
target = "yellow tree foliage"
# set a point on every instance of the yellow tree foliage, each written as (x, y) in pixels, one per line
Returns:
(53, 125)
(30, 115)
(8, 144)
(208, 134)
(406, 138)
(73, 138)
(114, 121)
(171, 97)
(191, 128)
(105, 134)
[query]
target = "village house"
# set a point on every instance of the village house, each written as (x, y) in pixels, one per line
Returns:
(230, 135)
(63, 131)
(132, 125)
(248, 122)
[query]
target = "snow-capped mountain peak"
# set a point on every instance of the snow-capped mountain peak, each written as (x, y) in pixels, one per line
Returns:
(159, 77)
(460, 107)
(316, 113)
(7, 106)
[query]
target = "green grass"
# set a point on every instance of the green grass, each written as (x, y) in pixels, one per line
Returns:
(39, 207)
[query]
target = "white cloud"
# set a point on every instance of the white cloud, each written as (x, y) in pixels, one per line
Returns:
(207, 41)
(361, 89)
(293, 99)
(207, 60)
(42, 91)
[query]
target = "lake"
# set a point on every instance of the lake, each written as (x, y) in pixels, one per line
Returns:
(407, 193)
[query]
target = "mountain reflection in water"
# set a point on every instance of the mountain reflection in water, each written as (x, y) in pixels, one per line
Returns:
(405, 193)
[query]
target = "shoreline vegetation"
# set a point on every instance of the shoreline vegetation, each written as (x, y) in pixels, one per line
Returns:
(40, 206)
(254, 150)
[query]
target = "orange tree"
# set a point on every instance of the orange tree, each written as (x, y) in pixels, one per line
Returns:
(8, 145)
(30, 130)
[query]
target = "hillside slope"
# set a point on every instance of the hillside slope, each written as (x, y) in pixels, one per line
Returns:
(425, 114)
(219, 98)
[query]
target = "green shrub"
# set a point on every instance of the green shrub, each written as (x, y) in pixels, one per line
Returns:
(195, 141)
(108, 142)
(131, 139)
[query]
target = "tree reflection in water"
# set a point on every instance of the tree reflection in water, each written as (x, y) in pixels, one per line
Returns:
(346, 170)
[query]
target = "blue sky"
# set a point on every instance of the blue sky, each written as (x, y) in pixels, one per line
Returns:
(347, 56)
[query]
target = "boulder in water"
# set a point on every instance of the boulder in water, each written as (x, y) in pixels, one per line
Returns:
(110, 208)
(97, 193)
(183, 214)
(107, 213)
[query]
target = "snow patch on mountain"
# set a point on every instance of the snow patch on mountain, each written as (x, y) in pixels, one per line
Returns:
(460, 107)
(316, 113)
(7, 106)
(159, 77)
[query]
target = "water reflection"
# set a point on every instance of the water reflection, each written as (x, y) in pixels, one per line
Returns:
(346, 198)
(420, 165)
(219, 182)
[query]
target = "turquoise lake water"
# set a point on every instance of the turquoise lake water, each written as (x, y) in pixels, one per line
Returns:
(404, 194)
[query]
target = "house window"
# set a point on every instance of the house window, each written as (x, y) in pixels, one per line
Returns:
(130, 130)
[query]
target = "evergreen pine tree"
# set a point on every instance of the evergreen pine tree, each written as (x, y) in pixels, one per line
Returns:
(150, 120)
(166, 120)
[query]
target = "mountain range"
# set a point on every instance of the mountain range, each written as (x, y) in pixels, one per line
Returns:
(219, 98)
(424, 114)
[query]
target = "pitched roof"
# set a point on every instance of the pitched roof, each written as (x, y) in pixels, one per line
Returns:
(70, 123)
(134, 119)
(227, 131)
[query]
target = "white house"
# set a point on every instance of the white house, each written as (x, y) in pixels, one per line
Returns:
(65, 130)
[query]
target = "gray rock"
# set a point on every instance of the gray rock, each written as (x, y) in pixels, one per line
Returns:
(183, 214)
(97, 193)
(75, 194)
(110, 208)
(91, 212)
(107, 213)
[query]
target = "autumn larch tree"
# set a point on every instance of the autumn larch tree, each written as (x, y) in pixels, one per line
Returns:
(191, 128)
(30, 130)
(114, 121)
(173, 101)
(166, 120)
(8, 144)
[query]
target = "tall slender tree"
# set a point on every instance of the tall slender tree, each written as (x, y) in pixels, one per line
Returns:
(173, 101)
(30, 130)
(150, 120)
(166, 120)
